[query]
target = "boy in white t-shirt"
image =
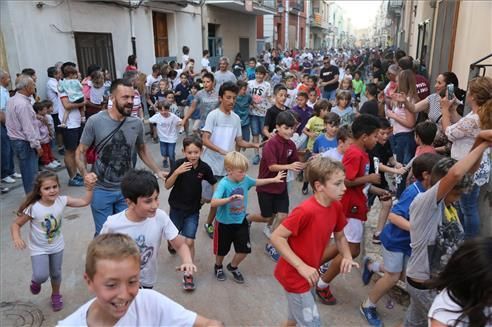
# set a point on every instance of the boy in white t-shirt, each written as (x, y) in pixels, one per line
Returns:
(144, 222)
(167, 125)
(113, 260)
(261, 92)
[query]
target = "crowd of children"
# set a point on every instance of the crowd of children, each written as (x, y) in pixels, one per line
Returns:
(313, 116)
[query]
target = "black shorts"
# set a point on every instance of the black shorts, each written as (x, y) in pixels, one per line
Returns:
(71, 138)
(56, 122)
(227, 234)
(271, 204)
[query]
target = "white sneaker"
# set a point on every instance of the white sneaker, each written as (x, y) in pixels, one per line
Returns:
(51, 165)
(267, 231)
(8, 180)
(55, 163)
(16, 175)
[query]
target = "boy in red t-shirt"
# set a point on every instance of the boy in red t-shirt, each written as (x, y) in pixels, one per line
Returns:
(303, 236)
(365, 129)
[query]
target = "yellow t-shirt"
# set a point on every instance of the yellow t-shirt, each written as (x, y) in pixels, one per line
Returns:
(316, 125)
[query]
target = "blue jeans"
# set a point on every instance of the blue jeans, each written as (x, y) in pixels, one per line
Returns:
(257, 123)
(329, 95)
(168, 150)
(468, 207)
(245, 132)
(185, 222)
(404, 147)
(7, 159)
(28, 162)
(104, 204)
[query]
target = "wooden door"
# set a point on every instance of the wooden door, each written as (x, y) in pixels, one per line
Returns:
(161, 40)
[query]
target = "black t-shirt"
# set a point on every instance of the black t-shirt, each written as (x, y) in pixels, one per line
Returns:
(327, 74)
(384, 153)
(186, 193)
(271, 117)
(370, 107)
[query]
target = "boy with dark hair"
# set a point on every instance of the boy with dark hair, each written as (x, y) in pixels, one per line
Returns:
(242, 109)
(371, 106)
(365, 129)
(303, 236)
(250, 70)
(144, 222)
(328, 140)
(260, 91)
(114, 259)
(358, 86)
(205, 100)
(395, 239)
(279, 154)
(280, 95)
(303, 111)
(222, 131)
(435, 229)
(425, 133)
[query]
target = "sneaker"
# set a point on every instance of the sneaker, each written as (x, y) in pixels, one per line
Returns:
(35, 287)
(209, 229)
(305, 188)
(219, 273)
(324, 268)
(371, 316)
(75, 182)
(267, 231)
(375, 239)
(16, 175)
(8, 180)
(61, 151)
(4, 190)
(57, 302)
(366, 273)
(165, 164)
(79, 177)
(256, 159)
(272, 252)
(188, 284)
(51, 165)
(236, 274)
(325, 296)
(55, 163)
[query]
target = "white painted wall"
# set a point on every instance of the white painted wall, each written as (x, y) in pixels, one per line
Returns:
(268, 29)
(233, 25)
(31, 42)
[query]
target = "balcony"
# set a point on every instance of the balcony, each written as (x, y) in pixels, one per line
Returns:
(395, 7)
(258, 7)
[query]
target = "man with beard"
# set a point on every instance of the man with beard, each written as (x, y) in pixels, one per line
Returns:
(116, 136)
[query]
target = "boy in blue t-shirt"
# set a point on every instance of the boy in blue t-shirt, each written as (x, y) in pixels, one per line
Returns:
(241, 108)
(231, 225)
(395, 239)
(328, 139)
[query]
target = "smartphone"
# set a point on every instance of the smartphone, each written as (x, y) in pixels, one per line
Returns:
(450, 91)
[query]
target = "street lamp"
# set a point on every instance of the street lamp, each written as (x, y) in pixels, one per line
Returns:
(280, 8)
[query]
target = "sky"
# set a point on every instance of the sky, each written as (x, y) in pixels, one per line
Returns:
(362, 13)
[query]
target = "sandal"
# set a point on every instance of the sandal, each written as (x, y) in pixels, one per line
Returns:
(35, 287)
(56, 302)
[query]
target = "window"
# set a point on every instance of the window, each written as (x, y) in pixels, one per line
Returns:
(94, 48)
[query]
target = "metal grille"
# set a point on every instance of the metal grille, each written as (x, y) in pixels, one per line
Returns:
(95, 48)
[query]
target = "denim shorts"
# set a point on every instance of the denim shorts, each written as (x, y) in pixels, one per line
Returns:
(257, 123)
(245, 132)
(168, 150)
(185, 222)
(303, 309)
(394, 262)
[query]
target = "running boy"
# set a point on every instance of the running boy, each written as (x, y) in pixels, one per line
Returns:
(344, 139)
(365, 131)
(302, 237)
(231, 225)
(395, 239)
(261, 92)
(185, 179)
(435, 229)
(280, 94)
(279, 154)
(147, 225)
(328, 140)
(242, 109)
(113, 260)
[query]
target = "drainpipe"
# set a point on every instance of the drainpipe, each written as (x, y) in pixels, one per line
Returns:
(132, 33)
(286, 25)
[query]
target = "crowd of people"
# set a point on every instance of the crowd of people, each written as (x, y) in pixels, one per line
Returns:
(350, 125)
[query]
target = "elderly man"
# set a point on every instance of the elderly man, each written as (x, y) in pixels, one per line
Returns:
(71, 134)
(22, 130)
(223, 75)
(54, 75)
